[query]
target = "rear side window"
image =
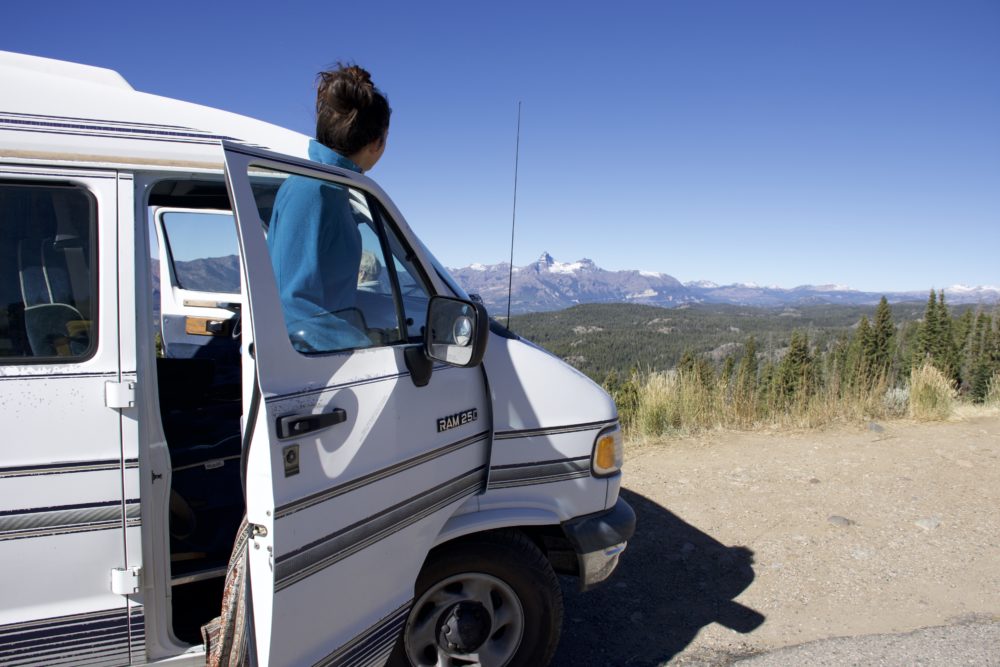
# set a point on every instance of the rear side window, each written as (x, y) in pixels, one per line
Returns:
(48, 285)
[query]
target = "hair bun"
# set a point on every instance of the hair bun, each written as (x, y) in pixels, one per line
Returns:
(358, 75)
(350, 110)
(349, 87)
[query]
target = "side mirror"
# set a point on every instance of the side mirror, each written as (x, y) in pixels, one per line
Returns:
(455, 333)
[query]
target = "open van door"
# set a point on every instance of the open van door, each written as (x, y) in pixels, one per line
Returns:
(351, 468)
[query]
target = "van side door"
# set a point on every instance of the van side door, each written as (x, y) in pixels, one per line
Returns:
(352, 469)
(63, 508)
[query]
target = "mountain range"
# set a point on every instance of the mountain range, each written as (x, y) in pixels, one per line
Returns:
(547, 284)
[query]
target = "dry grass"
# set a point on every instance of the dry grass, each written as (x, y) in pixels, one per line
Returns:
(932, 395)
(993, 393)
(682, 403)
(988, 408)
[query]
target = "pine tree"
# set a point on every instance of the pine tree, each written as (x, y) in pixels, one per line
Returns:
(984, 356)
(907, 348)
(992, 344)
(767, 387)
(945, 350)
(795, 372)
(840, 362)
(928, 332)
(746, 374)
(964, 327)
(883, 331)
(687, 362)
(979, 379)
(704, 372)
(975, 347)
(859, 353)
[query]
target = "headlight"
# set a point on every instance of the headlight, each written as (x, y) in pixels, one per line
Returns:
(608, 452)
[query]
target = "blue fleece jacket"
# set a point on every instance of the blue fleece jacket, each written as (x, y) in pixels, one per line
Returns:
(316, 251)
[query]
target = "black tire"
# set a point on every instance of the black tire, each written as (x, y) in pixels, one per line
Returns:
(506, 563)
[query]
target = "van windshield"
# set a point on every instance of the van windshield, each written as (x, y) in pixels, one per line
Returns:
(443, 273)
(203, 250)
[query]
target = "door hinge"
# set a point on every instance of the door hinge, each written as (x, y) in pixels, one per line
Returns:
(125, 581)
(119, 394)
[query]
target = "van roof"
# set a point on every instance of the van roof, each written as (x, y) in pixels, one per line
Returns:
(59, 111)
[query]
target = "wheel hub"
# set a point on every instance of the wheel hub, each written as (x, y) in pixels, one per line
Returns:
(464, 627)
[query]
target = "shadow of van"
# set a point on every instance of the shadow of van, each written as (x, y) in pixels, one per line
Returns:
(672, 581)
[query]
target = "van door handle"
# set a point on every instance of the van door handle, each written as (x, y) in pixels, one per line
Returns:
(291, 426)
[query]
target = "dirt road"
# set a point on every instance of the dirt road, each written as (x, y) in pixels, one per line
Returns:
(753, 541)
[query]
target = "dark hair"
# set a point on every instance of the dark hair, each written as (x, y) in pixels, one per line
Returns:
(350, 111)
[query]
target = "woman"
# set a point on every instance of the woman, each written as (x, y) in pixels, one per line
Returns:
(313, 235)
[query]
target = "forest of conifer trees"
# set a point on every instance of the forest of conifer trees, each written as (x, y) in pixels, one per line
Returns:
(875, 368)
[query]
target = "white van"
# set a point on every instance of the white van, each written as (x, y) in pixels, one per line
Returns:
(408, 500)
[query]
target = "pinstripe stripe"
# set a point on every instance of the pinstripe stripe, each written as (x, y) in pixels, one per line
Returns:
(137, 634)
(552, 430)
(542, 472)
(297, 565)
(103, 128)
(438, 368)
(372, 646)
(22, 361)
(336, 387)
(46, 521)
(327, 494)
(91, 639)
(67, 467)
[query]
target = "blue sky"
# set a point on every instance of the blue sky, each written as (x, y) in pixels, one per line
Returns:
(853, 142)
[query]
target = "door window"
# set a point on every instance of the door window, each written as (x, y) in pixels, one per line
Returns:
(47, 286)
(411, 286)
(344, 280)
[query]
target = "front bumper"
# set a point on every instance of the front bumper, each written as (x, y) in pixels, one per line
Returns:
(598, 540)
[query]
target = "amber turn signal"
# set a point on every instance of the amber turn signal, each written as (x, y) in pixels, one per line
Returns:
(608, 452)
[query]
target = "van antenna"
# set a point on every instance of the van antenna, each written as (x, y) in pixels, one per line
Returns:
(513, 215)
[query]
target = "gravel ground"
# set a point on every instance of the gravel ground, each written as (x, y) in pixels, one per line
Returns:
(751, 542)
(963, 644)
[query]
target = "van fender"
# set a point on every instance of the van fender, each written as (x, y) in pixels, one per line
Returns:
(509, 517)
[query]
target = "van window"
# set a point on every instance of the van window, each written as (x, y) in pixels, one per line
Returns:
(411, 285)
(344, 279)
(203, 250)
(47, 286)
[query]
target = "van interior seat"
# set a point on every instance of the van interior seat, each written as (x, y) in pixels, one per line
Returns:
(54, 324)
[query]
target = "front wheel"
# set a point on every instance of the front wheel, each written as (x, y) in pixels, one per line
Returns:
(490, 600)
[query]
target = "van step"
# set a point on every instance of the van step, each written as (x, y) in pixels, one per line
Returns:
(201, 575)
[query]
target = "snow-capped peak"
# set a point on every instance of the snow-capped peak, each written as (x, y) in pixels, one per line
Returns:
(547, 263)
(828, 288)
(965, 289)
(703, 284)
(560, 267)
